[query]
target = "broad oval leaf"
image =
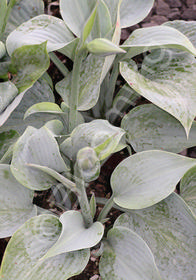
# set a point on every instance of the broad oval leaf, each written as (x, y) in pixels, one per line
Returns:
(98, 134)
(188, 188)
(168, 83)
(148, 177)
(74, 235)
(127, 256)
(16, 205)
(90, 80)
(145, 39)
(22, 11)
(22, 259)
(36, 146)
(38, 30)
(150, 128)
(76, 13)
(169, 230)
(29, 64)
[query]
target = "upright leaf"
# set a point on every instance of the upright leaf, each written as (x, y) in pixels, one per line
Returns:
(22, 259)
(169, 230)
(36, 146)
(16, 205)
(148, 177)
(127, 256)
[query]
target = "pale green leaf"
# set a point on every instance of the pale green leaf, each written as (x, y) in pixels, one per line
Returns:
(56, 127)
(22, 260)
(38, 30)
(39, 92)
(150, 128)
(127, 256)
(90, 80)
(76, 13)
(134, 11)
(43, 107)
(2, 49)
(7, 138)
(103, 47)
(167, 80)
(145, 39)
(16, 205)
(147, 177)
(36, 146)
(3, 8)
(169, 230)
(29, 64)
(89, 24)
(98, 134)
(22, 11)
(74, 235)
(188, 188)
(8, 92)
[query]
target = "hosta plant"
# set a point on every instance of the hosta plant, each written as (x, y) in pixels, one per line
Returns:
(63, 146)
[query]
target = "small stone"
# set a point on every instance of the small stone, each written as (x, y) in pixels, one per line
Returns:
(174, 15)
(189, 14)
(149, 24)
(95, 277)
(163, 8)
(174, 3)
(159, 19)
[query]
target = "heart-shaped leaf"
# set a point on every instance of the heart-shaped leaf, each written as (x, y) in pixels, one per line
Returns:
(148, 127)
(145, 39)
(188, 188)
(36, 146)
(169, 230)
(159, 83)
(38, 30)
(74, 235)
(29, 64)
(15, 203)
(22, 259)
(148, 177)
(127, 256)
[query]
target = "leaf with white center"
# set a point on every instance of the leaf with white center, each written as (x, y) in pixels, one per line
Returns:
(74, 235)
(29, 64)
(22, 11)
(98, 134)
(169, 230)
(22, 259)
(127, 256)
(38, 30)
(90, 80)
(150, 128)
(76, 13)
(36, 146)
(145, 39)
(8, 91)
(39, 92)
(16, 205)
(168, 80)
(7, 138)
(161, 171)
(188, 188)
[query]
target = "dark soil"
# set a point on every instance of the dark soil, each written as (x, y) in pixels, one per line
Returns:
(162, 11)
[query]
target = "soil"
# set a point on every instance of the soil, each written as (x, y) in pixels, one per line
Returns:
(162, 11)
